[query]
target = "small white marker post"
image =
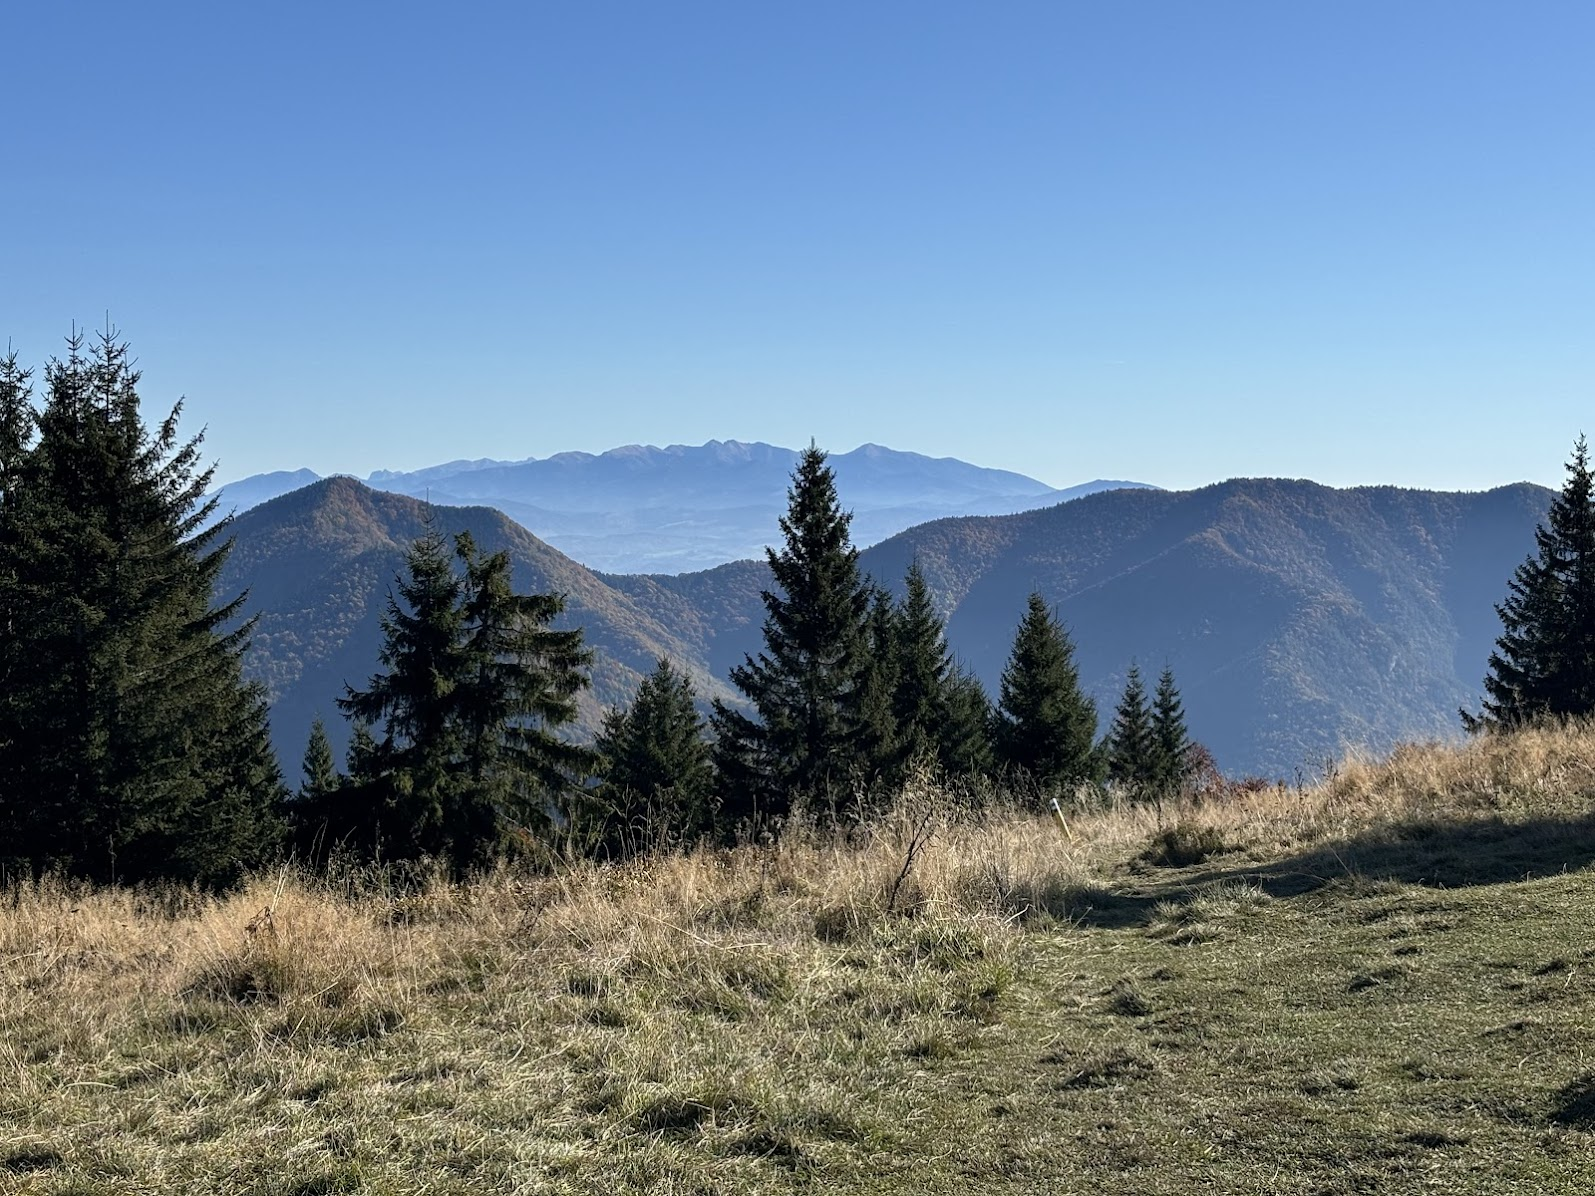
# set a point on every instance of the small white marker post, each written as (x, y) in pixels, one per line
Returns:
(1063, 822)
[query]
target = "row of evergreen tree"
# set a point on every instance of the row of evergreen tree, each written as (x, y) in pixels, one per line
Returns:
(852, 692)
(853, 689)
(131, 746)
(664, 769)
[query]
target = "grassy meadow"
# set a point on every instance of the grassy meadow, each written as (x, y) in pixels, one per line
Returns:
(1382, 982)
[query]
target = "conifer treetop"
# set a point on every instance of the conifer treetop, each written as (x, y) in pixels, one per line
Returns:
(808, 730)
(1543, 664)
(1045, 724)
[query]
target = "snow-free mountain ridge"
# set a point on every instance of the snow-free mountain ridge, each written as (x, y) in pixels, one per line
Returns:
(645, 509)
(1300, 620)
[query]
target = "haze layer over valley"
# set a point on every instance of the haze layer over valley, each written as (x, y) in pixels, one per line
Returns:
(642, 509)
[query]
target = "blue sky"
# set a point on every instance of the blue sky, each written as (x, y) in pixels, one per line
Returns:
(1172, 242)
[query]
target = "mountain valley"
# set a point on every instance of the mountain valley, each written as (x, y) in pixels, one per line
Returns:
(1299, 619)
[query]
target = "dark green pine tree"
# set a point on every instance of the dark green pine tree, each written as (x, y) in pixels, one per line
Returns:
(412, 776)
(1543, 664)
(321, 810)
(1045, 726)
(922, 700)
(942, 714)
(475, 686)
(1171, 742)
(521, 686)
(878, 753)
(16, 421)
(964, 745)
(1131, 752)
(806, 733)
(133, 747)
(17, 804)
(317, 806)
(16, 414)
(321, 777)
(654, 758)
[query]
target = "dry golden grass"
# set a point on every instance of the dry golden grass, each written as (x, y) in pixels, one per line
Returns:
(1545, 774)
(812, 1012)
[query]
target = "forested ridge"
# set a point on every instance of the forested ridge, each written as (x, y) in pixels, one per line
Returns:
(133, 748)
(1301, 620)
(446, 721)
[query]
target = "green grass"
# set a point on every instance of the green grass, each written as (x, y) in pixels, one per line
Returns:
(1403, 1008)
(1369, 1036)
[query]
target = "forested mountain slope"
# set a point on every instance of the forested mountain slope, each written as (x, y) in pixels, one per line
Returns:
(1299, 619)
(320, 562)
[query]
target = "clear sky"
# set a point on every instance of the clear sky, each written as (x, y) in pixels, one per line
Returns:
(1175, 242)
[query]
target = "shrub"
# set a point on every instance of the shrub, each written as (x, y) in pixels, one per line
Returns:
(1183, 845)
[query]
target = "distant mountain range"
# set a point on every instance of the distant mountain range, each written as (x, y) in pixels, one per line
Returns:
(1299, 619)
(641, 509)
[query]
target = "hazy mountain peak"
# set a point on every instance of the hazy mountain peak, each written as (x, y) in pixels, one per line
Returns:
(240, 496)
(736, 451)
(638, 508)
(379, 476)
(627, 452)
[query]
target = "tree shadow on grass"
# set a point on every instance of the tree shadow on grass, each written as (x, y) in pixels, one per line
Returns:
(1101, 908)
(1436, 853)
(1574, 1105)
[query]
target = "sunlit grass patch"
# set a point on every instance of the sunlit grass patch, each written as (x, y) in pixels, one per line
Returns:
(1363, 985)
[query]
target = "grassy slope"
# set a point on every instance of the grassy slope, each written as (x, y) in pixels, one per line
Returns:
(1383, 984)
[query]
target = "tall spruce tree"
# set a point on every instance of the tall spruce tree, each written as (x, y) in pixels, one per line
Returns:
(1131, 743)
(131, 747)
(942, 714)
(807, 733)
(654, 758)
(412, 778)
(320, 770)
(475, 686)
(1543, 664)
(965, 745)
(1045, 725)
(878, 759)
(521, 684)
(16, 438)
(1171, 742)
(319, 803)
(924, 669)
